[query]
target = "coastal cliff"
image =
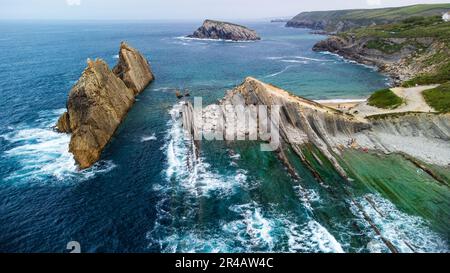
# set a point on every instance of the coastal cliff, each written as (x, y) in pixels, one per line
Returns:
(212, 29)
(414, 51)
(335, 21)
(99, 101)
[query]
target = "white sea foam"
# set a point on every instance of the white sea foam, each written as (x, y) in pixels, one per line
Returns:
(149, 138)
(189, 180)
(116, 56)
(311, 237)
(279, 72)
(192, 173)
(42, 152)
(259, 230)
(307, 196)
(235, 156)
(296, 57)
(348, 61)
(294, 61)
(163, 89)
(253, 230)
(408, 233)
(211, 40)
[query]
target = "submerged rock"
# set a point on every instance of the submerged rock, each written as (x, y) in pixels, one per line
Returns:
(99, 101)
(222, 30)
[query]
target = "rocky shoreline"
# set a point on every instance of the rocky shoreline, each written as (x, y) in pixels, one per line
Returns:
(100, 100)
(401, 65)
(212, 29)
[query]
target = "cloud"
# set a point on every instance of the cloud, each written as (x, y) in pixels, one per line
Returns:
(73, 2)
(373, 2)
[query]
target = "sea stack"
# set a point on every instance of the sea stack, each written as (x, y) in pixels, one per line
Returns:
(100, 100)
(212, 29)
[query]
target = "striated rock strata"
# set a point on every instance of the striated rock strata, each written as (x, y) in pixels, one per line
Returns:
(133, 69)
(304, 122)
(99, 101)
(226, 31)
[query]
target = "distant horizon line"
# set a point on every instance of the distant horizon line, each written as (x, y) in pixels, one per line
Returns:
(284, 17)
(148, 20)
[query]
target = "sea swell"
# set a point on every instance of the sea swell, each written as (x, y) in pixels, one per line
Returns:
(242, 226)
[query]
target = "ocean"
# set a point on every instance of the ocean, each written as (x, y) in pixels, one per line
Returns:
(143, 196)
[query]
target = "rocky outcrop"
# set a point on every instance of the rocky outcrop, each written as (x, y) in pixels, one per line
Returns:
(303, 123)
(226, 31)
(397, 57)
(133, 69)
(99, 101)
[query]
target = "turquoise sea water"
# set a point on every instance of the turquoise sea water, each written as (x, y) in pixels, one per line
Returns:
(143, 196)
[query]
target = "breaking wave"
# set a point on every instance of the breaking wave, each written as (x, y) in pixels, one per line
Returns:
(40, 152)
(211, 40)
(149, 138)
(406, 232)
(246, 227)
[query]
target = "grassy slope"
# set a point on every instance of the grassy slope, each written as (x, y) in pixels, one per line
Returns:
(385, 99)
(367, 16)
(439, 97)
(414, 27)
(399, 13)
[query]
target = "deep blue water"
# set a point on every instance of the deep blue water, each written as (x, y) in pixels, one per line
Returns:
(141, 197)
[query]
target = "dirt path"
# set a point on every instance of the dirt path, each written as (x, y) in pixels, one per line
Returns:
(413, 102)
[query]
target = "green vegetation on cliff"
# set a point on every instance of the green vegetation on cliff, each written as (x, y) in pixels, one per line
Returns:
(441, 75)
(413, 27)
(439, 97)
(385, 99)
(428, 36)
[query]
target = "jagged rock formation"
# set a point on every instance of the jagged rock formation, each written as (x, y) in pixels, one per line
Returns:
(303, 122)
(226, 31)
(133, 69)
(335, 21)
(99, 101)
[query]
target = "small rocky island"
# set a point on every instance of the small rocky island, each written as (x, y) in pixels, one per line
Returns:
(212, 29)
(100, 100)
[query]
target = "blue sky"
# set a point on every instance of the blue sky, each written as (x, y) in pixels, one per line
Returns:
(179, 9)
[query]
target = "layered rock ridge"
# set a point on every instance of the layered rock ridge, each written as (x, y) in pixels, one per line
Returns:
(212, 29)
(303, 122)
(99, 101)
